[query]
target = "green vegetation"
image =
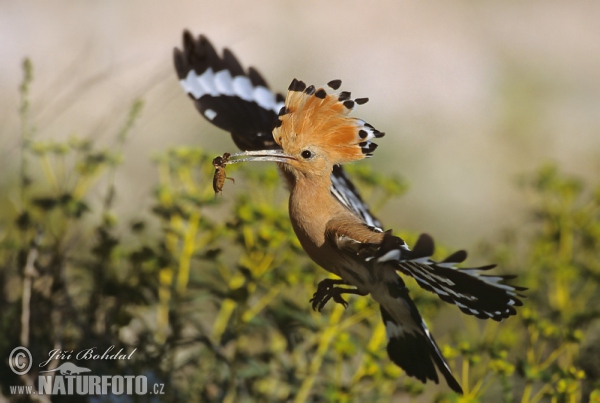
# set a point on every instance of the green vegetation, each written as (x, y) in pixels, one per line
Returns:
(213, 292)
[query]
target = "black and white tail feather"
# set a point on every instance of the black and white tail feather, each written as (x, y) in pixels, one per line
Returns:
(240, 102)
(410, 344)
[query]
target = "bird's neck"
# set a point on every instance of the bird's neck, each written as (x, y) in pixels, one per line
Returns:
(311, 206)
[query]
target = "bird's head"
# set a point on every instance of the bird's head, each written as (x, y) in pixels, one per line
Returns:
(315, 132)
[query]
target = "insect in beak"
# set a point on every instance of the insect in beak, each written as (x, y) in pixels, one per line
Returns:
(220, 175)
(247, 156)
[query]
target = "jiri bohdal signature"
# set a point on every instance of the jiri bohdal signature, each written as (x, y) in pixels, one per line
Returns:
(91, 353)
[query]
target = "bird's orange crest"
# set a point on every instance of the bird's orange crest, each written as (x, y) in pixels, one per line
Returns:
(312, 117)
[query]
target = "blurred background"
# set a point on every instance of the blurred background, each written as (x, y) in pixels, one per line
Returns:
(470, 94)
(119, 240)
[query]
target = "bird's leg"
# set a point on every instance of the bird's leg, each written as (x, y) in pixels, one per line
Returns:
(326, 290)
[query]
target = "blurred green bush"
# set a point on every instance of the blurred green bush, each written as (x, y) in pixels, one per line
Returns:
(213, 292)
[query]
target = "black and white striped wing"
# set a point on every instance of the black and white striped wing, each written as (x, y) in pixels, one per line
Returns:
(481, 295)
(231, 98)
(241, 103)
(344, 190)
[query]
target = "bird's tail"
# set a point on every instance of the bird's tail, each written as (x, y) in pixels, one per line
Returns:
(410, 345)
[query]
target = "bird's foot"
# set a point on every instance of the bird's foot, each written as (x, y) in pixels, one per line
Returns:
(327, 289)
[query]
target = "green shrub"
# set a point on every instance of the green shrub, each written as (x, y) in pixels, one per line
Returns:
(212, 292)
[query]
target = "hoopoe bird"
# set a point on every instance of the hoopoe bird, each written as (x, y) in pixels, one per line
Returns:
(312, 135)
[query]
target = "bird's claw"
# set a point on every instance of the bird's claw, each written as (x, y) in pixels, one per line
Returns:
(326, 291)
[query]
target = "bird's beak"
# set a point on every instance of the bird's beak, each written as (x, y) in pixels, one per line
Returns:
(264, 155)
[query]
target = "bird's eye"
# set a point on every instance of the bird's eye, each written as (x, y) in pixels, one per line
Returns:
(306, 154)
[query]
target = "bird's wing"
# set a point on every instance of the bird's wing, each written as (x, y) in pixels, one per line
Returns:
(239, 101)
(230, 97)
(481, 295)
(346, 193)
